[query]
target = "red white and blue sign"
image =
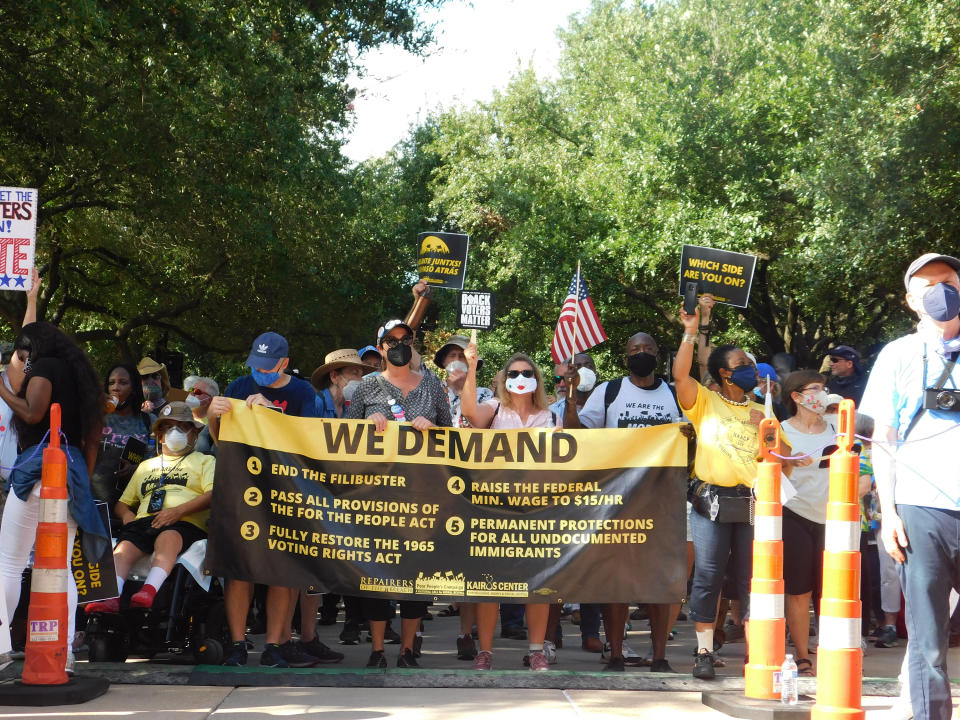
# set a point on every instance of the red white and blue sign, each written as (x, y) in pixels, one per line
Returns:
(18, 237)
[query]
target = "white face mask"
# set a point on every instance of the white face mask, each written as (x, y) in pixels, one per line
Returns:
(521, 385)
(815, 402)
(456, 366)
(349, 389)
(588, 378)
(175, 440)
(193, 402)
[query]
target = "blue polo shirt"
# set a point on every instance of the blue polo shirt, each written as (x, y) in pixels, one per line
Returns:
(926, 469)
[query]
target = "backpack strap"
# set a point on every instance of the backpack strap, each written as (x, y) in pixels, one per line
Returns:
(609, 395)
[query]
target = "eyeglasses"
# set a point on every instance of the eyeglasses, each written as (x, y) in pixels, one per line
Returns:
(557, 378)
(392, 342)
(814, 388)
(517, 373)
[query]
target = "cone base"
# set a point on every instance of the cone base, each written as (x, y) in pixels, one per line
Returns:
(734, 704)
(79, 689)
(758, 682)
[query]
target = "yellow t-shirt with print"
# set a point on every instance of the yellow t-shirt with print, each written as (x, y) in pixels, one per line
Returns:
(184, 479)
(727, 441)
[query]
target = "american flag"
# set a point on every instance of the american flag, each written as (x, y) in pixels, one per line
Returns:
(589, 331)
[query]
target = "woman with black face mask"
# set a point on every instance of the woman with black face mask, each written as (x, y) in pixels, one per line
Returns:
(403, 394)
(725, 467)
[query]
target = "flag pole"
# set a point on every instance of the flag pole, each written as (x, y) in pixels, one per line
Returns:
(576, 317)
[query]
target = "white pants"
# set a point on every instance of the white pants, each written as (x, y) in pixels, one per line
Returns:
(18, 532)
(889, 579)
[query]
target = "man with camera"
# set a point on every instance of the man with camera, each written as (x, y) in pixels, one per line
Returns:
(914, 399)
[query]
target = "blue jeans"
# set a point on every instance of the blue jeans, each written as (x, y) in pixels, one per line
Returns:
(931, 569)
(511, 615)
(590, 620)
(713, 543)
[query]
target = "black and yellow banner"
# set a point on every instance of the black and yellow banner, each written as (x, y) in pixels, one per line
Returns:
(514, 515)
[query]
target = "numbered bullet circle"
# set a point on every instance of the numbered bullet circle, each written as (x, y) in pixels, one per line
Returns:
(253, 497)
(456, 485)
(250, 530)
(454, 525)
(254, 466)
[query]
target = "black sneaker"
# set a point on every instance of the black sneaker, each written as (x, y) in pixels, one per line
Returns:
(703, 666)
(391, 636)
(614, 664)
(236, 654)
(297, 656)
(661, 665)
(417, 645)
(407, 660)
(466, 648)
(377, 660)
(272, 656)
(886, 637)
(350, 636)
(321, 652)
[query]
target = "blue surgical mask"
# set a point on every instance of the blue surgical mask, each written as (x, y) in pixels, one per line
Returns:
(744, 377)
(942, 302)
(265, 378)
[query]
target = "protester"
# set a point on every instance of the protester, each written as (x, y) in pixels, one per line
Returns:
(126, 435)
(805, 514)
(337, 379)
(641, 399)
(369, 355)
(912, 397)
(847, 377)
(156, 384)
(267, 385)
(520, 403)
(769, 382)
(56, 371)
(171, 494)
(725, 467)
(202, 391)
(404, 394)
(585, 381)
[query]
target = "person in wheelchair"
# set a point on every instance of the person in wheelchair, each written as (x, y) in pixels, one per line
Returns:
(171, 494)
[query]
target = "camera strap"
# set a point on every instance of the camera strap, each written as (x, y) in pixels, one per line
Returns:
(937, 386)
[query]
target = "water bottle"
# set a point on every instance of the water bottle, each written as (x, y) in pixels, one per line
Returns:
(397, 410)
(788, 681)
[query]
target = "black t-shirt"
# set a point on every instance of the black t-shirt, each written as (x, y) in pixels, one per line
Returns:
(65, 393)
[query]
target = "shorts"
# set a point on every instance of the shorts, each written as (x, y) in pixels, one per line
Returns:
(143, 536)
(802, 554)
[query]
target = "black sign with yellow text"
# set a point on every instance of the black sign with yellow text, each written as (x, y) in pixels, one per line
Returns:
(726, 275)
(487, 515)
(442, 259)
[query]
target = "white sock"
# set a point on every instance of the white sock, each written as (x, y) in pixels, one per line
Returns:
(705, 640)
(534, 648)
(155, 577)
(120, 582)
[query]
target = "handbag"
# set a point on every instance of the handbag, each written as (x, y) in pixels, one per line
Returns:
(722, 504)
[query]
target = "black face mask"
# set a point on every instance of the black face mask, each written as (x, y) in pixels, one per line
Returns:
(400, 355)
(641, 364)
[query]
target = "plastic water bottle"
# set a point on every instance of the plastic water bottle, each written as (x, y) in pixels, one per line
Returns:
(398, 414)
(788, 681)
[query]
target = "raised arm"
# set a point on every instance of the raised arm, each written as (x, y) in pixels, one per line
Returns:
(479, 416)
(686, 386)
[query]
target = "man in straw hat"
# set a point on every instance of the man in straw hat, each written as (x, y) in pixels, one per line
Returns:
(338, 377)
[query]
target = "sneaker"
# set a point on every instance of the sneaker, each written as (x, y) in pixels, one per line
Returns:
(236, 654)
(483, 661)
(272, 656)
(886, 637)
(467, 649)
(407, 660)
(103, 606)
(640, 613)
(321, 652)
(350, 636)
(144, 597)
(538, 661)
(71, 663)
(391, 636)
(661, 666)
(703, 666)
(614, 665)
(377, 659)
(550, 651)
(734, 633)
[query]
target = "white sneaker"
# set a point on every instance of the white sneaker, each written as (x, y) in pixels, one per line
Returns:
(550, 652)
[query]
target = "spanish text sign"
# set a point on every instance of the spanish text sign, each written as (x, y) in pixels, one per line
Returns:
(726, 275)
(442, 259)
(18, 236)
(476, 310)
(491, 515)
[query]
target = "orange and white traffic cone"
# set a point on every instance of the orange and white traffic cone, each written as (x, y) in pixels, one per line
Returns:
(840, 657)
(46, 651)
(765, 633)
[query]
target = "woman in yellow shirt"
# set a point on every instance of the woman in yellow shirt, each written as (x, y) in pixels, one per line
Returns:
(725, 466)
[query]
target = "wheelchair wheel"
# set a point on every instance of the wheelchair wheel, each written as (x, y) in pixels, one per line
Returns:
(208, 652)
(106, 648)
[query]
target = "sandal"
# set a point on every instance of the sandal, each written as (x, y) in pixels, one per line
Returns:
(805, 668)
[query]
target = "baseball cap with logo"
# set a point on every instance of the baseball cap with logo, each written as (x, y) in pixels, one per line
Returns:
(267, 350)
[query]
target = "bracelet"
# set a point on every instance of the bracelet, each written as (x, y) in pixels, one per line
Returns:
(705, 329)
(690, 338)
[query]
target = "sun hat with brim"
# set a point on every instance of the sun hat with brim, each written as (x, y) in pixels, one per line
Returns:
(347, 357)
(454, 341)
(175, 411)
(926, 259)
(149, 366)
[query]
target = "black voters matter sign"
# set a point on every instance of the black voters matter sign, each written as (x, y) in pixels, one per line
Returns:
(476, 310)
(726, 275)
(442, 259)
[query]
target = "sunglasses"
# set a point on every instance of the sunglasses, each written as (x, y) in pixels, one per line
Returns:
(557, 378)
(836, 359)
(198, 391)
(392, 342)
(517, 373)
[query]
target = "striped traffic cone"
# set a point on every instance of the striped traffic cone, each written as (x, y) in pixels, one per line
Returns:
(46, 651)
(840, 658)
(767, 625)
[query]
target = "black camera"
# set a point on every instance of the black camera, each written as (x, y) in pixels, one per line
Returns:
(945, 400)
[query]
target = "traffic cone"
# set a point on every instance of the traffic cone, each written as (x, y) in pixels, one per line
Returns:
(840, 657)
(46, 651)
(767, 625)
